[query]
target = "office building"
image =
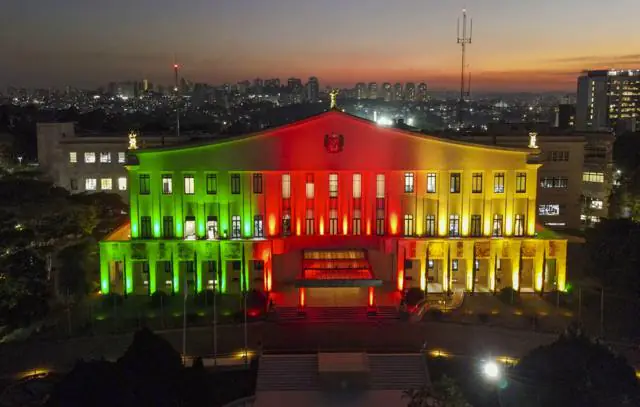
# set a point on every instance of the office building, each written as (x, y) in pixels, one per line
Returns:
(410, 92)
(313, 90)
(373, 90)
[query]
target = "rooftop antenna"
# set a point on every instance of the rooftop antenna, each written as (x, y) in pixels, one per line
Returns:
(463, 40)
(176, 90)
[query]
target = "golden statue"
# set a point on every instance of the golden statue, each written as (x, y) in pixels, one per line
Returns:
(333, 95)
(133, 140)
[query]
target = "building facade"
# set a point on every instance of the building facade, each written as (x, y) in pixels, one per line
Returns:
(333, 203)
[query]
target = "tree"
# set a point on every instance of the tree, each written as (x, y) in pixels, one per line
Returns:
(79, 268)
(572, 371)
(444, 393)
(24, 291)
(626, 196)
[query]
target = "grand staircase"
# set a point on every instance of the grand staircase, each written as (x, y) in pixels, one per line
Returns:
(334, 314)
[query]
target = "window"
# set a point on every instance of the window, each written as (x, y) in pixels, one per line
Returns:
(476, 225)
(357, 185)
(380, 216)
(309, 187)
(454, 265)
(286, 186)
(73, 157)
(90, 184)
(258, 226)
(333, 221)
(380, 186)
(106, 184)
(593, 177)
(235, 184)
(310, 222)
(408, 225)
(145, 184)
(236, 232)
(498, 183)
(559, 156)
(431, 183)
(476, 183)
(257, 183)
(167, 227)
(521, 182)
(430, 225)
(122, 157)
(122, 183)
(190, 228)
(357, 222)
(454, 225)
(408, 182)
(212, 184)
(145, 227)
(167, 184)
(89, 158)
(497, 225)
(286, 224)
(189, 185)
(105, 158)
(212, 227)
(454, 183)
(333, 185)
(596, 204)
(73, 184)
(554, 182)
(519, 225)
(549, 210)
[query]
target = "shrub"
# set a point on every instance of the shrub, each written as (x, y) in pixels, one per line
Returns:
(108, 300)
(159, 299)
(414, 296)
(256, 300)
(204, 298)
(508, 295)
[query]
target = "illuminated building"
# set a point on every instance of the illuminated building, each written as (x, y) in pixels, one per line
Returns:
(421, 94)
(608, 99)
(373, 90)
(332, 202)
(313, 89)
(410, 92)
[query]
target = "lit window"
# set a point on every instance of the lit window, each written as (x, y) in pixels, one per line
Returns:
(122, 183)
(190, 228)
(593, 177)
(498, 183)
(431, 183)
(258, 226)
(106, 184)
(454, 183)
(521, 182)
(189, 185)
(122, 158)
(549, 210)
(554, 182)
(430, 225)
(559, 156)
(309, 187)
(596, 204)
(357, 185)
(380, 186)
(105, 158)
(476, 183)
(286, 186)
(454, 225)
(89, 158)
(90, 184)
(408, 182)
(408, 225)
(73, 157)
(519, 225)
(236, 232)
(497, 225)
(212, 227)
(333, 185)
(167, 184)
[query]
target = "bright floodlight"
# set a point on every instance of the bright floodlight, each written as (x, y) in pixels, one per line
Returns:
(491, 370)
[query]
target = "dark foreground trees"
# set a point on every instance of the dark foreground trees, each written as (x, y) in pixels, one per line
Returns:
(574, 371)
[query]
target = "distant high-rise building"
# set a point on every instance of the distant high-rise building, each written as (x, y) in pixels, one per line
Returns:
(258, 85)
(243, 87)
(313, 89)
(361, 90)
(387, 92)
(373, 90)
(397, 91)
(608, 99)
(410, 92)
(565, 116)
(421, 94)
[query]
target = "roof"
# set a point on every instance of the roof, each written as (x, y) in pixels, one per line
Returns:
(327, 116)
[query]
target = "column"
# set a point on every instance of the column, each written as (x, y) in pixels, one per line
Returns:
(175, 265)
(400, 266)
(514, 256)
(561, 263)
(371, 296)
(423, 268)
(105, 278)
(468, 265)
(198, 260)
(446, 263)
(538, 265)
(153, 266)
(223, 275)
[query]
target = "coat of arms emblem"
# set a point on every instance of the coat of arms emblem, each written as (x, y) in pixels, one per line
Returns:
(333, 142)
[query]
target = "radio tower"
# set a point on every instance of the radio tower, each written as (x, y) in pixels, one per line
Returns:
(463, 40)
(176, 89)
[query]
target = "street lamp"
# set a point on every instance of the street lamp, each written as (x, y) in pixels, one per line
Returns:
(491, 370)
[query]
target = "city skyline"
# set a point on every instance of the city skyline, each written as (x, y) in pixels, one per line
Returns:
(523, 47)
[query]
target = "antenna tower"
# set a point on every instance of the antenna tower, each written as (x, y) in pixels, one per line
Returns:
(464, 39)
(176, 90)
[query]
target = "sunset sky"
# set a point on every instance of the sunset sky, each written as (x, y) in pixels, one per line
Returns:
(517, 44)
